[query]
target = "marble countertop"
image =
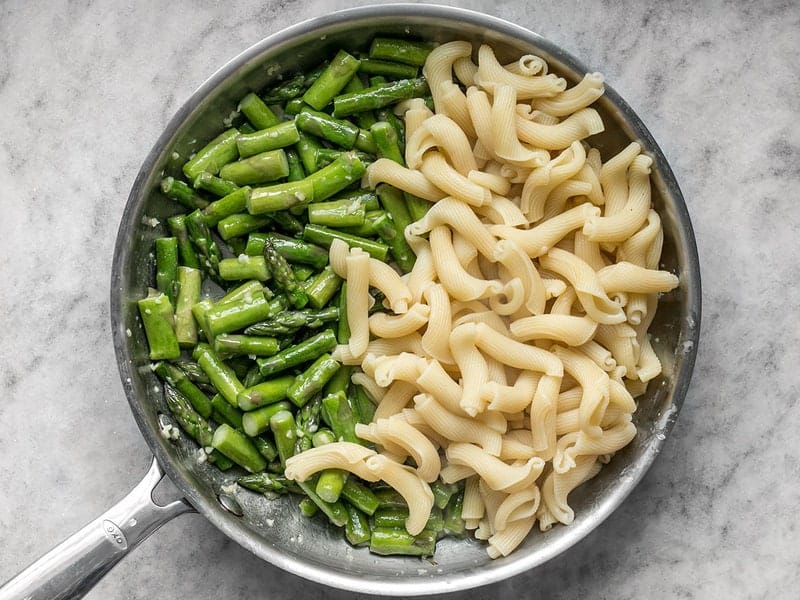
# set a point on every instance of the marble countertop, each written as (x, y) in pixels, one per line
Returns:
(85, 90)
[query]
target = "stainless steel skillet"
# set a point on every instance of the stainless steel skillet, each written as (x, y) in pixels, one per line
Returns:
(274, 530)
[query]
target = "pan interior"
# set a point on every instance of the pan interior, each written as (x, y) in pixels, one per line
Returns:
(273, 528)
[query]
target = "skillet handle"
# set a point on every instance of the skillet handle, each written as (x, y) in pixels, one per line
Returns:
(72, 568)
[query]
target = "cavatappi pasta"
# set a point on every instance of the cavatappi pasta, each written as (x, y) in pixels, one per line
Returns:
(509, 357)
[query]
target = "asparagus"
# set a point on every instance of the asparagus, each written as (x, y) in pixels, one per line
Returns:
(330, 481)
(257, 421)
(216, 185)
(387, 141)
(230, 204)
(200, 236)
(379, 96)
(177, 226)
(258, 168)
(324, 236)
(167, 267)
(356, 530)
(238, 448)
(189, 282)
(335, 511)
(453, 523)
(283, 275)
(180, 192)
(226, 317)
(343, 328)
(296, 170)
(287, 90)
(287, 222)
(248, 345)
(280, 197)
(337, 213)
(442, 492)
(243, 267)
(368, 228)
(391, 541)
(360, 496)
(200, 310)
(293, 250)
(216, 154)
(246, 291)
(289, 322)
(306, 351)
(265, 447)
(307, 148)
(401, 252)
(193, 371)
(220, 374)
(364, 119)
(322, 288)
(222, 412)
(193, 424)
(337, 131)
(284, 431)
(395, 517)
(398, 50)
(267, 482)
(277, 136)
(338, 413)
(312, 380)
(157, 317)
(307, 507)
(176, 378)
(366, 409)
(258, 113)
(326, 156)
(331, 81)
(264, 393)
(240, 224)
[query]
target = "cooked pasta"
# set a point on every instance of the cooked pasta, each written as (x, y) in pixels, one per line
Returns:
(509, 356)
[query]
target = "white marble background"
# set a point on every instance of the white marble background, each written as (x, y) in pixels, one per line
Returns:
(85, 89)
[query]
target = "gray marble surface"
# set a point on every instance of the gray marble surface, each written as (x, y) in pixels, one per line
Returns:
(85, 89)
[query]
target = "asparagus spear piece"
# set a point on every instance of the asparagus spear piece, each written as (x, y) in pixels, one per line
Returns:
(220, 374)
(267, 482)
(237, 314)
(257, 421)
(335, 511)
(289, 322)
(248, 345)
(193, 424)
(230, 204)
(283, 429)
(305, 351)
(399, 50)
(259, 168)
(216, 185)
(222, 412)
(401, 251)
(453, 522)
(280, 135)
(244, 267)
(217, 153)
(167, 267)
(331, 81)
(312, 380)
(330, 481)
(293, 250)
(283, 275)
(322, 288)
(338, 413)
(264, 393)
(200, 236)
(181, 192)
(360, 496)
(158, 317)
(380, 95)
(257, 112)
(238, 448)
(388, 541)
(337, 131)
(176, 378)
(337, 213)
(178, 228)
(189, 282)
(240, 224)
(356, 530)
(324, 236)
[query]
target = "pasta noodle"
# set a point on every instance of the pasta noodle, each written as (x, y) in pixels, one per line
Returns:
(509, 356)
